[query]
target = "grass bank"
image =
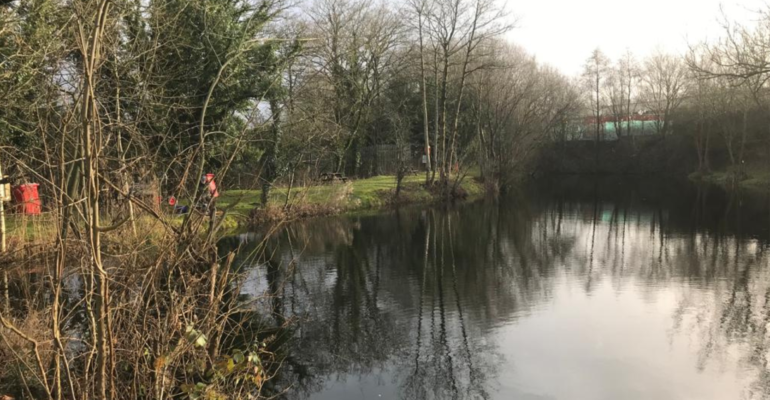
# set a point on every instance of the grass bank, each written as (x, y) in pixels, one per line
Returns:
(243, 207)
(756, 179)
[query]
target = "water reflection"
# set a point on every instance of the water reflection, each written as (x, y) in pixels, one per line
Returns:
(572, 290)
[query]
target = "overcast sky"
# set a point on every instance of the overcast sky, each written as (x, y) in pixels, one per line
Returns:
(563, 33)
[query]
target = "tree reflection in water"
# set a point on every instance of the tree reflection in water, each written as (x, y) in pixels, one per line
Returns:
(410, 303)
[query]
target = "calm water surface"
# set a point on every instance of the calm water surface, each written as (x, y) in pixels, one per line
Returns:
(577, 289)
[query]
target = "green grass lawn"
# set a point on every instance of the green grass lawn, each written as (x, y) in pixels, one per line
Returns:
(355, 195)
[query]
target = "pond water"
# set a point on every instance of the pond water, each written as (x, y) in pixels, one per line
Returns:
(573, 289)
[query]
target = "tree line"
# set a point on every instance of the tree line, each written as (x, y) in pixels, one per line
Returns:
(715, 93)
(114, 299)
(264, 89)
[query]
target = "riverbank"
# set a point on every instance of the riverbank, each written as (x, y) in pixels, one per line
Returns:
(756, 180)
(654, 155)
(242, 208)
(644, 155)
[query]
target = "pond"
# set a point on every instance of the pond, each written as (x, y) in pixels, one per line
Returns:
(572, 289)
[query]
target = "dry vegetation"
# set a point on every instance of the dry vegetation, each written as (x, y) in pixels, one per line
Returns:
(111, 103)
(110, 296)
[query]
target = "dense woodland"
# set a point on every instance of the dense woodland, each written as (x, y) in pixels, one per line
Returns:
(98, 96)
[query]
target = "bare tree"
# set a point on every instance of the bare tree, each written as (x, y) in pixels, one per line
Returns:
(421, 10)
(615, 88)
(739, 58)
(621, 84)
(352, 55)
(518, 105)
(594, 76)
(702, 91)
(663, 83)
(459, 27)
(594, 79)
(629, 71)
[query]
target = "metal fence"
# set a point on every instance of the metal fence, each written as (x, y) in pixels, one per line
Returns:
(385, 159)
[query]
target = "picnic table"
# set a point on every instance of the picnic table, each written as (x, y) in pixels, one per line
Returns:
(333, 176)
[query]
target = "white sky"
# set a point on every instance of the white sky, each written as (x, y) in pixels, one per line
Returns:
(563, 33)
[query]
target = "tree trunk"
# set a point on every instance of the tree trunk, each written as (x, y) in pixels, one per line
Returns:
(424, 103)
(443, 176)
(271, 163)
(699, 139)
(598, 122)
(743, 143)
(435, 117)
(706, 151)
(628, 102)
(463, 76)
